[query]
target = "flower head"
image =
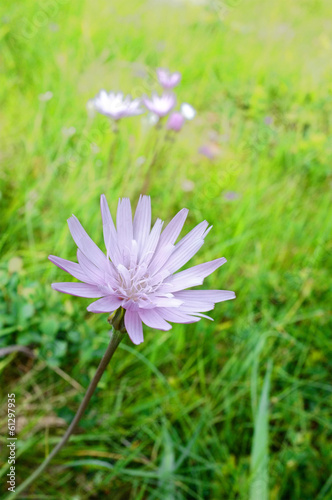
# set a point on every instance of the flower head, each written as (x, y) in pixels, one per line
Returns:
(115, 105)
(168, 80)
(160, 105)
(175, 121)
(188, 111)
(138, 272)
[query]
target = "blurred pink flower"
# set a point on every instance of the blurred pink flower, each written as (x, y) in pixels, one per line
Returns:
(268, 120)
(160, 105)
(175, 121)
(115, 105)
(168, 80)
(231, 195)
(210, 150)
(138, 273)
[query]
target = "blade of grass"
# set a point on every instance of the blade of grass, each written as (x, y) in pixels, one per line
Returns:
(259, 489)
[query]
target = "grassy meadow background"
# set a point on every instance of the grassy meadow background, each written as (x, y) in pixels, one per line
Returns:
(236, 408)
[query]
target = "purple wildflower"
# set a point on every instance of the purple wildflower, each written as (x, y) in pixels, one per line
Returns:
(139, 271)
(161, 106)
(115, 105)
(168, 80)
(208, 151)
(268, 120)
(175, 121)
(231, 195)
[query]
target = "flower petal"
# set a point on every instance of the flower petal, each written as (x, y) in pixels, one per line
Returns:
(173, 228)
(107, 304)
(151, 243)
(85, 243)
(193, 276)
(95, 275)
(125, 275)
(124, 226)
(200, 315)
(183, 254)
(134, 327)
(78, 289)
(200, 296)
(165, 301)
(171, 232)
(110, 235)
(176, 315)
(197, 233)
(70, 267)
(196, 307)
(188, 111)
(142, 222)
(187, 247)
(175, 78)
(160, 258)
(152, 319)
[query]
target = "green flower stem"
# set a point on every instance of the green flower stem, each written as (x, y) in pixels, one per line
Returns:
(114, 145)
(160, 147)
(116, 337)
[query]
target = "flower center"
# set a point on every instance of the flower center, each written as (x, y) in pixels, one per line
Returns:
(136, 283)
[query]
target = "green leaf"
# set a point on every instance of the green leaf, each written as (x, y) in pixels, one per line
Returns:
(60, 348)
(27, 311)
(49, 327)
(167, 466)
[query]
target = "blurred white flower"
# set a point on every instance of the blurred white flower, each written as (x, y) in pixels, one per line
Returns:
(187, 185)
(160, 105)
(115, 105)
(45, 97)
(187, 111)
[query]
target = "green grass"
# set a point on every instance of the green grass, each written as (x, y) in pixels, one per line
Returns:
(177, 417)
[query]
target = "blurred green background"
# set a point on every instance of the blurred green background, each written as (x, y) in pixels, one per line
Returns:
(236, 408)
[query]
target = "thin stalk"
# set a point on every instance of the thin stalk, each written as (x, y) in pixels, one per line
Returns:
(113, 147)
(116, 337)
(159, 151)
